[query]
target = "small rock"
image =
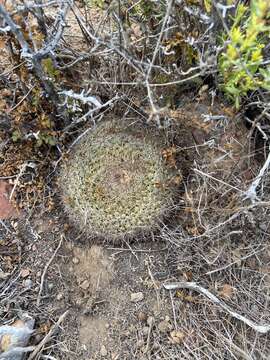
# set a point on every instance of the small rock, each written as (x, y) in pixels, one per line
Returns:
(14, 224)
(103, 351)
(7, 210)
(145, 330)
(136, 297)
(50, 286)
(79, 302)
(264, 226)
(140, 344)
(75, 261)
(4, 275)
(59, 296)
(6, 93)
(142, 316)
(177, 337)
(126, 333)
(28, 283)
(164, 326)
(150, 321)
(25, 273)
(85, 285)
(33, 247)
(132, 328)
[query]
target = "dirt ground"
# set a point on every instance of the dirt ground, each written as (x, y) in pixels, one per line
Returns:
(117, 306)
(112, 296)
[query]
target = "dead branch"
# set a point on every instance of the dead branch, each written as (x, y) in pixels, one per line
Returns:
(251, 192)
(263, 329)
(48, 336)
(45, 271)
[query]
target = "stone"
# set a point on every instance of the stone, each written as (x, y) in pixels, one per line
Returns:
(103, 351)
(85, 285)
(75, 261)
(164, 326)
(177, 337)
(142, 316)
(28, 283)
(136, 297)
(7, 210)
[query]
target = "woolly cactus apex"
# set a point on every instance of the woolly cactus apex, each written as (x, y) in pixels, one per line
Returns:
(116, 185)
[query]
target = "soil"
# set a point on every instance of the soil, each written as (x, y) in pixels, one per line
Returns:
(117, 305)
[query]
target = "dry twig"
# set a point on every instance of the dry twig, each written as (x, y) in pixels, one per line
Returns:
(45, 271)
(48, 336)
(263, 329)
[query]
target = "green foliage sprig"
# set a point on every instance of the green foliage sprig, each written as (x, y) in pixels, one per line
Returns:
(242, 63)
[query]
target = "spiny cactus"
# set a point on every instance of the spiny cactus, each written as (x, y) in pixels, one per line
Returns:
(116, 184)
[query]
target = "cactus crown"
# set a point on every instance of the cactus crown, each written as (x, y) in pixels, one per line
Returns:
(114, 185)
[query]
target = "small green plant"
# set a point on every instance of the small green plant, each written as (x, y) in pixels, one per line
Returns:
(116, 184)
(16, 135)
(46, 138)
(98, 3)
(242, 64)
(49, 68)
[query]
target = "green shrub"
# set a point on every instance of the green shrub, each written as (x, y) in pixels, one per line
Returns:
(242, 64)
(116, 184)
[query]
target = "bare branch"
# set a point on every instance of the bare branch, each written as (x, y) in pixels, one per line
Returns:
(263, 329)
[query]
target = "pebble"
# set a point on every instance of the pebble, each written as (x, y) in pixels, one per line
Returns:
(50, 286)
(145, 330)
(59, 296)
(75, 261)
(136, 297)
(85, 284)
(177, 337)
(25, 273)
(28, 283)
(4, 275)
(142, 316)
(164, 326)
(150, 321)
(140, 344)
(103, 351)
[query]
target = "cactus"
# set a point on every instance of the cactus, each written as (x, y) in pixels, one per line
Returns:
(115, 184)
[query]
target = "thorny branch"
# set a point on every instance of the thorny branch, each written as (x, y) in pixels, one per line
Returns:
(33, 57)
(37, 349)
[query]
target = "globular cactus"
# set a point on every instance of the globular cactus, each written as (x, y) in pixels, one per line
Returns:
(115, 183)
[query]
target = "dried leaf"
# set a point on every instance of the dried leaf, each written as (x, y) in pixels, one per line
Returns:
(7, 210)
(226, 291)
(25, 272)
(177, 337)
(180, 294)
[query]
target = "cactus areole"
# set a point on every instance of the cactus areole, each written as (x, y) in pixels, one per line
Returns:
(115, 183)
